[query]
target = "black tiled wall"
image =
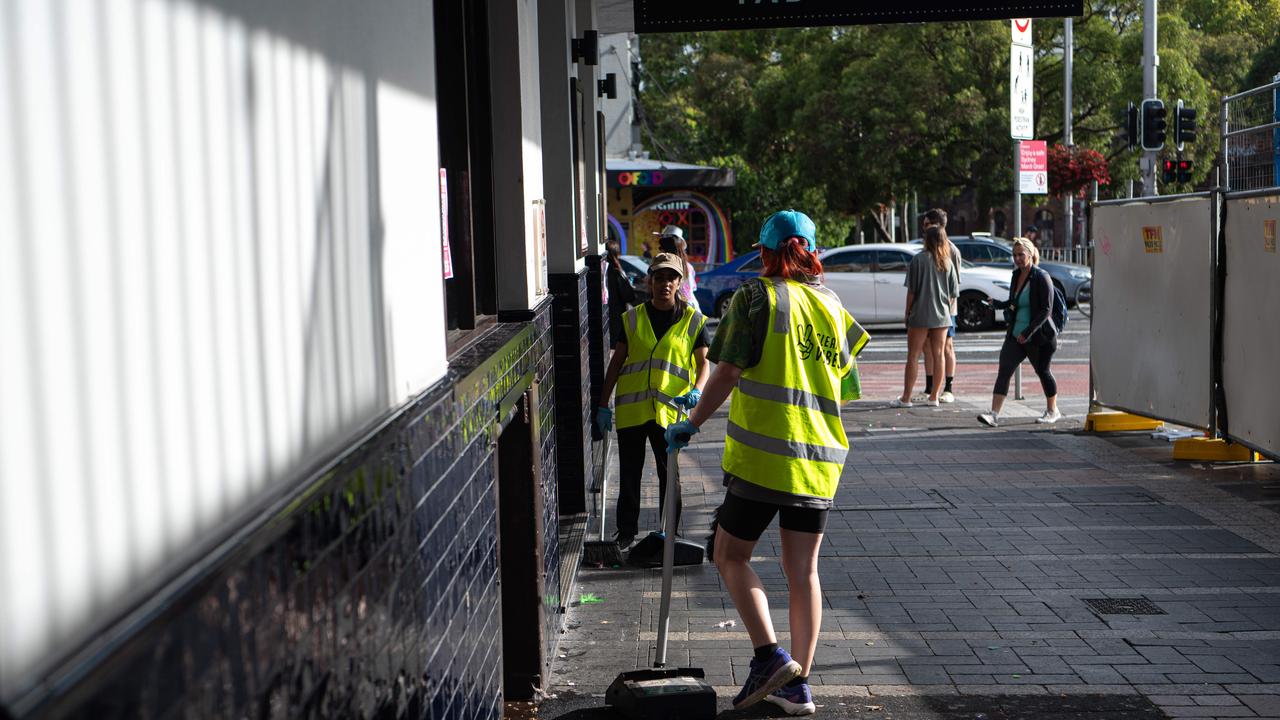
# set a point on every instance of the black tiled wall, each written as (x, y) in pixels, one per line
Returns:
(369, 591)
(574, 401)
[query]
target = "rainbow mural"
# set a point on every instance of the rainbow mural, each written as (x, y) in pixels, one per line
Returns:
(676, 208)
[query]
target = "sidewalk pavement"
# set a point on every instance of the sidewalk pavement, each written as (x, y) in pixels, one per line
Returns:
(965, 572)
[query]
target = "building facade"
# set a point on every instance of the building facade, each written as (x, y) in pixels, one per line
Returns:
(308, 298)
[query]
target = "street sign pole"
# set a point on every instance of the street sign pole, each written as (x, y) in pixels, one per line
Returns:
(1069, 200)
(1017, 232)
(1021, 124)
(1150, 61)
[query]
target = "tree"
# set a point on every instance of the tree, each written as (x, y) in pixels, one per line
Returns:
(839, 120)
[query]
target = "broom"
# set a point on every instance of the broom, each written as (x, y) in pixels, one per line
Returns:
(602, 552)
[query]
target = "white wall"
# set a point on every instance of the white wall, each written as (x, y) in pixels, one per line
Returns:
(517, 151)
(616, 51)
(219, 258)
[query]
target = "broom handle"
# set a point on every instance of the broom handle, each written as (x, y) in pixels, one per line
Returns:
(604, 476)
(668, 551)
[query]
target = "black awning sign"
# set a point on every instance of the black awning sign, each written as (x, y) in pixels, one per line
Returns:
(655, 16)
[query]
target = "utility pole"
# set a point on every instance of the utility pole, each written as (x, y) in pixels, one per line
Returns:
(1150, 61)
(1068, 49)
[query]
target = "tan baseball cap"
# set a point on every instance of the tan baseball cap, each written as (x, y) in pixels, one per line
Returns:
(666, 261)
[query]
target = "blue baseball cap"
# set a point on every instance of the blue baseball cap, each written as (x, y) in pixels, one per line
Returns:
(787, 224)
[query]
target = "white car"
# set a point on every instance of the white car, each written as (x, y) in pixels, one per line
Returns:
(870, 281)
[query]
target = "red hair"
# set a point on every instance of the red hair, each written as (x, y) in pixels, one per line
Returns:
(792, 260)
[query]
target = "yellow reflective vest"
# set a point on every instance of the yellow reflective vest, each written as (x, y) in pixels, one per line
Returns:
(655, 371)
(784, 430)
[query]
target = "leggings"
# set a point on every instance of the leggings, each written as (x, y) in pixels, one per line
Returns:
(1012, 354)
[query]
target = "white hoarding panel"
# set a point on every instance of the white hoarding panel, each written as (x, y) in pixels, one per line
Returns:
(1251, 330)
(1150, 343)
(219, 262)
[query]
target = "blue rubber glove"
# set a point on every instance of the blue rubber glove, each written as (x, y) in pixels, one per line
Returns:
(689, 399)
(604, 419)
(679, 433)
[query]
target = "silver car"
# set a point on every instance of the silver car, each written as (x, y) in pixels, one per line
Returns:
(991, 251)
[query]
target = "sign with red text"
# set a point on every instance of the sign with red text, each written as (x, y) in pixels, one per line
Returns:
(1033, 158)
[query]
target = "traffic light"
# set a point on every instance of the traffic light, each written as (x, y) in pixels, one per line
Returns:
(1184, 171)
(1170, 173)
(1130, 129)
(1184, 125)
(1153, 124)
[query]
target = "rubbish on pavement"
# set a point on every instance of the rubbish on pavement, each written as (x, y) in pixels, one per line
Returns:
(589, 599)
(726, 624)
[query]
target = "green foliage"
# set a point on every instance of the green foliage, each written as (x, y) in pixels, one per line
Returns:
(835, 121)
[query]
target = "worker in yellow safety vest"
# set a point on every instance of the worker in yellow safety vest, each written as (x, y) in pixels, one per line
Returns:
(785, 349)
(659, 367)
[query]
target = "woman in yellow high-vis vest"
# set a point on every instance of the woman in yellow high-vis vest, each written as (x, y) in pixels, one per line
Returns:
(785, 349)
(659, 366)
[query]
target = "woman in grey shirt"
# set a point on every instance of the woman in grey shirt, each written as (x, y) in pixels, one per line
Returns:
(932, 287)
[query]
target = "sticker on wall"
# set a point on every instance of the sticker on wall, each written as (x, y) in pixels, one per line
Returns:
(444, 223)
(1153, 239)
(1269, 236)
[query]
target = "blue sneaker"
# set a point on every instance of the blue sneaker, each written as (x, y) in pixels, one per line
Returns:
(767, 676)
(794, 699)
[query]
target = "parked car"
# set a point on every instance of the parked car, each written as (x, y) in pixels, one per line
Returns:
(870, 281)
(991, 251)
(716, 287)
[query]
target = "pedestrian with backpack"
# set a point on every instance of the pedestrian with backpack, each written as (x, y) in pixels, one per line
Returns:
(1032, 333)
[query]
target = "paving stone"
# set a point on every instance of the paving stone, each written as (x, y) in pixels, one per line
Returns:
(979, 571)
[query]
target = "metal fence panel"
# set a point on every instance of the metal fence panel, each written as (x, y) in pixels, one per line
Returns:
(1150, 344)
(1251, 138)
(1251, 325)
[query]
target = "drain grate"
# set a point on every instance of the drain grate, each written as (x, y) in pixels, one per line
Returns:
(1123, 606)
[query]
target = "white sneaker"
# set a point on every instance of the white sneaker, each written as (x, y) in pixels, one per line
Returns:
(898, 403)
(930, 403)
(946, 397)
(1049, 418)
(989, 419)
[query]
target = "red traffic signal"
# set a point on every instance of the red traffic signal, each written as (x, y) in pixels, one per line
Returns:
(1170, 173)
(1184, 171)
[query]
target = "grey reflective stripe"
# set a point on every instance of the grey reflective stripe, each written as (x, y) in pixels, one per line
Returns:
(642, 397)
(695, 324)
(786, 448)
(789, 396)
(631, 399)
(634, 367)
(631, 320)
(782, 314)
(656, 364)
(663, 398)
(856, 338)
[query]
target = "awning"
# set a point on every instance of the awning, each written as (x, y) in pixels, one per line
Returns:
(658, 174)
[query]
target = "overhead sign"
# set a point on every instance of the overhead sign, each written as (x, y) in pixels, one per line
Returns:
(656, 16)
(1033, 167)
(1022, 119)
(1020, 31)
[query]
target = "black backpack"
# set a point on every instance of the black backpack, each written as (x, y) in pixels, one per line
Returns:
(1059, 313)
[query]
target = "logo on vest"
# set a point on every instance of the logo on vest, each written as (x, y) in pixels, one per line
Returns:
(816, 346)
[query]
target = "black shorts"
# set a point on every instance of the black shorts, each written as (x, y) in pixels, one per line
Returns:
(747, 519)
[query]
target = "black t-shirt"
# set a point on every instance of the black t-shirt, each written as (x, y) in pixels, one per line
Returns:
(662, 320)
